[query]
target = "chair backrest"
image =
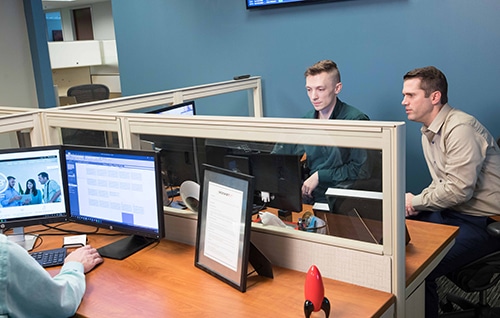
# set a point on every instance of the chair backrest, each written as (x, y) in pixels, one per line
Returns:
(89, 92)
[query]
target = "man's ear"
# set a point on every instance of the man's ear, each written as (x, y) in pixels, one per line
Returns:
(436, 97)
(338, 88)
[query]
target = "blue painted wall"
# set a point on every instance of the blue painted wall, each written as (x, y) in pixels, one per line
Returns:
(175, 43)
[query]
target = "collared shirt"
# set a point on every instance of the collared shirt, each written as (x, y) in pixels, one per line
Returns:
(7, 195)
(50, 189)
(28, 290)
(464, 163)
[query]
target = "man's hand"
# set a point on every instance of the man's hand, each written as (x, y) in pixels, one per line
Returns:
(409, 209)
(310, 184)
(86, 255)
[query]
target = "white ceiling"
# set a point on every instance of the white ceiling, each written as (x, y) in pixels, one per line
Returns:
(53, 5)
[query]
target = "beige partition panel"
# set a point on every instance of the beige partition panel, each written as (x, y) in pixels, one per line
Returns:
(375, 266)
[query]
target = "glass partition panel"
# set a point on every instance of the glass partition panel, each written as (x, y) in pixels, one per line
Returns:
(14, 139)
(347, 202)
(179, 163)
(24, 138)
(87, 137)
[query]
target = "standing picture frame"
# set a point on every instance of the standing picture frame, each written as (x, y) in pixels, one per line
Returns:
(224, 225)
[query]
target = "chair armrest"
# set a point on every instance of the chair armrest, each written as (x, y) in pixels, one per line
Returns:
(494, 229)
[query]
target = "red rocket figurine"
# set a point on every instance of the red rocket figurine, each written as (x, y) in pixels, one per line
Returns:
(314, 292)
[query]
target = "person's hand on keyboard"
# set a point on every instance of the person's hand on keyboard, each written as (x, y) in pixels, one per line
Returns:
(86, 255)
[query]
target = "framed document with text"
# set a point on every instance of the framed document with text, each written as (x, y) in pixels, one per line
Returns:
(224, 225)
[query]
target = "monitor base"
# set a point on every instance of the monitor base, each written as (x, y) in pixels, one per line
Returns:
(26, 241)
(125, 247)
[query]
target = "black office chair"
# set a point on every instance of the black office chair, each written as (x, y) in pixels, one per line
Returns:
(89, 92)
(478, 276)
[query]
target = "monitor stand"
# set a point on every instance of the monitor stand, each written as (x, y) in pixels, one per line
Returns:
(27, 241)
(125, 247)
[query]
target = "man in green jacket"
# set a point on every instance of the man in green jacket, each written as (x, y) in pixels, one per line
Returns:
(328, 166)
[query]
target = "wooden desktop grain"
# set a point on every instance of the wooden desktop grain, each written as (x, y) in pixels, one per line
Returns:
(162, 281)
(427, 241)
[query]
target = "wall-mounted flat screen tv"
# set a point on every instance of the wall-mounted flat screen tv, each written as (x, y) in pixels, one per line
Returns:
(255, 4)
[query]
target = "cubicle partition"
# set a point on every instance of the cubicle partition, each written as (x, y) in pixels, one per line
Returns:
(20, 127)
(175, 96)
(378, 266)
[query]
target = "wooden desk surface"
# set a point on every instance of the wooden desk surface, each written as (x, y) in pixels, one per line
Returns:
(162, 281)
(428, 240)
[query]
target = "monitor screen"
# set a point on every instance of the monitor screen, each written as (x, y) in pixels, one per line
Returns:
(183, 109)
(30, 187)
(119, 189)
(31, 190)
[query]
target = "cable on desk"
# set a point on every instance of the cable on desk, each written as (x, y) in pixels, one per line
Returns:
(57, 228)
(73, 232)
(170, 198)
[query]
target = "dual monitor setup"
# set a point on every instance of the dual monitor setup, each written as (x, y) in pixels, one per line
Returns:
(122, 189)
(119, 189)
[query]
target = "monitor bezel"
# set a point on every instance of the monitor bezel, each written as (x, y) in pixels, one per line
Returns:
(120, 227)
(6, 224)
(285, 4)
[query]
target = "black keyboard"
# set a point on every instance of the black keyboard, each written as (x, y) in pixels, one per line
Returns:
(49, 258)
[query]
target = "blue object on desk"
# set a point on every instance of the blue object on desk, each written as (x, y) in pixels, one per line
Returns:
(173, 193)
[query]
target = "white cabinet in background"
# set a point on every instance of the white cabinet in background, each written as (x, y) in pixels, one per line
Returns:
(74, 54)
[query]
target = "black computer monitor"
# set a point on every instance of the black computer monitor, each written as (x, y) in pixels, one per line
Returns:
(31, 190)
(178, 157)
(277, 174)
(183, 109)
(119, 189)
(178, 154)
(281, 177)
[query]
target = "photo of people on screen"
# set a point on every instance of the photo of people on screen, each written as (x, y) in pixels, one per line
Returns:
(51, 190)
(29, 181)
(15, 195)
(10, 196)
(34, 195)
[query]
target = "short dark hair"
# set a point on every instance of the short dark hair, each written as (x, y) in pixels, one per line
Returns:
(43, 175)
(10, 178)
(431, 80)
(327, 66)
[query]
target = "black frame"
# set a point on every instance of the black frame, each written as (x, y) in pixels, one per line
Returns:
(219, 178)
(139, 237)
(46, 219)
(285, 4)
